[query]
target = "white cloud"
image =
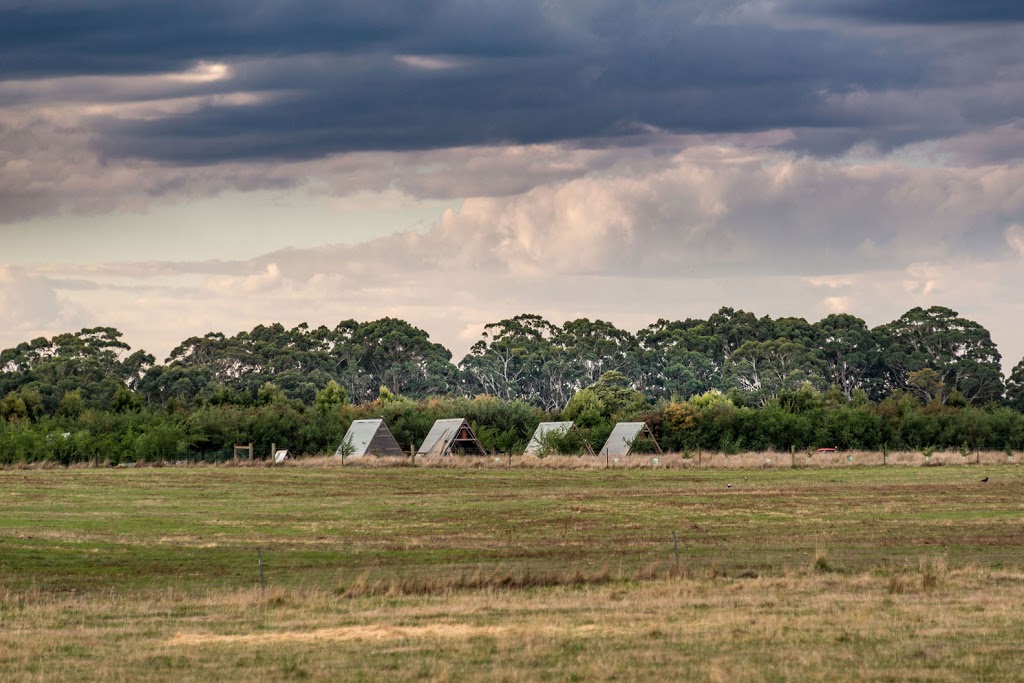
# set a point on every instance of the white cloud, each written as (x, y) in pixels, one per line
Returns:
(922, 278)
(203, 72)
(31, 307)
(429, 62)
(158, 311)
(228, 285)
(627, 237)
(829, 282)
(837, 304)
(1015, 238)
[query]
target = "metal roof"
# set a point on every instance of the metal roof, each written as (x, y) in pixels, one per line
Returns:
(543, 429)
(444, 434)
(365, 437)
(620, 441)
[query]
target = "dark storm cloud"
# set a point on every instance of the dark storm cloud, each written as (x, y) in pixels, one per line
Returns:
(916, 11)
(409, 74)
(66, 37)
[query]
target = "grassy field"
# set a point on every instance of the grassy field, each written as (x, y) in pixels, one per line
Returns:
(847, 573)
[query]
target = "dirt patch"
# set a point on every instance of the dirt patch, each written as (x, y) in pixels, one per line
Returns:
(369, 632)
(375, 632)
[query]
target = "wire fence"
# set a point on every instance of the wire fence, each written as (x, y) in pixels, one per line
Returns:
(753, 460)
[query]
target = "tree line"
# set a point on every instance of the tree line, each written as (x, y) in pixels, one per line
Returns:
(731, 382)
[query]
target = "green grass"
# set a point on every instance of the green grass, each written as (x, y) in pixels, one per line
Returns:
(510, 574)
(188, 528)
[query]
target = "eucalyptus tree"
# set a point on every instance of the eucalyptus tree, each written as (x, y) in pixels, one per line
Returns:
(94, 362)
(684, 358)
(343, 358)
(594, 347)
(401, 357)
(764, 369)
(517, 359)
(1015, 387)
(730, 329)
(794, 329)
(850, 352)
(294, 359)
(961, 351)
(180, 383)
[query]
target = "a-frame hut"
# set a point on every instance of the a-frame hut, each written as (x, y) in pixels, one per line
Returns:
(451, 436)
(369, 437)
(625, 434)
(536, 445)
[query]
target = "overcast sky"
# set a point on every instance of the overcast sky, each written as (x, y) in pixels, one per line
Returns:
(174, 168)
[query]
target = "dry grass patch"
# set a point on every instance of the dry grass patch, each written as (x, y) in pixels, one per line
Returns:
(673, 460)
(798, 625)
(442, 573)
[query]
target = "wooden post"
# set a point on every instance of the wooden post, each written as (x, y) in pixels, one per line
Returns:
(273, 450)
(657, 446)
(250, 451)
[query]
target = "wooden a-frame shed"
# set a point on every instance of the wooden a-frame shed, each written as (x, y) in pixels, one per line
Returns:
(369, 437)
(451, 436)
(624, 435)
(544, 429)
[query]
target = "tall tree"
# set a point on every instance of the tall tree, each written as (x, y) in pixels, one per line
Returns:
(516, 359)
(92, 361)
(731, 329)
(595, 347)
(403, 358)
(960, 350)
(850, 352)
(1015, 387)
(764, 369)
(678, 359)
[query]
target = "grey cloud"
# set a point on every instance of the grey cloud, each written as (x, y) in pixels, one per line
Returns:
(705, 212)
(15, 205)
(914, 11)
(118, 37)
(1001, 145)
(30, 306)
(705, 228)
(704, 79)
(331, 78)
(983, 291)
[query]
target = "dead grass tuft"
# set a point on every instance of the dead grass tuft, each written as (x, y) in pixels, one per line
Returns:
(764, 460)
(479, 580)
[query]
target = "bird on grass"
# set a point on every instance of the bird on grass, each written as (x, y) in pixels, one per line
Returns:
(728, 486)
(984, 480)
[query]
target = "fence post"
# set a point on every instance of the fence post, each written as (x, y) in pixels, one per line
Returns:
(675, 548)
